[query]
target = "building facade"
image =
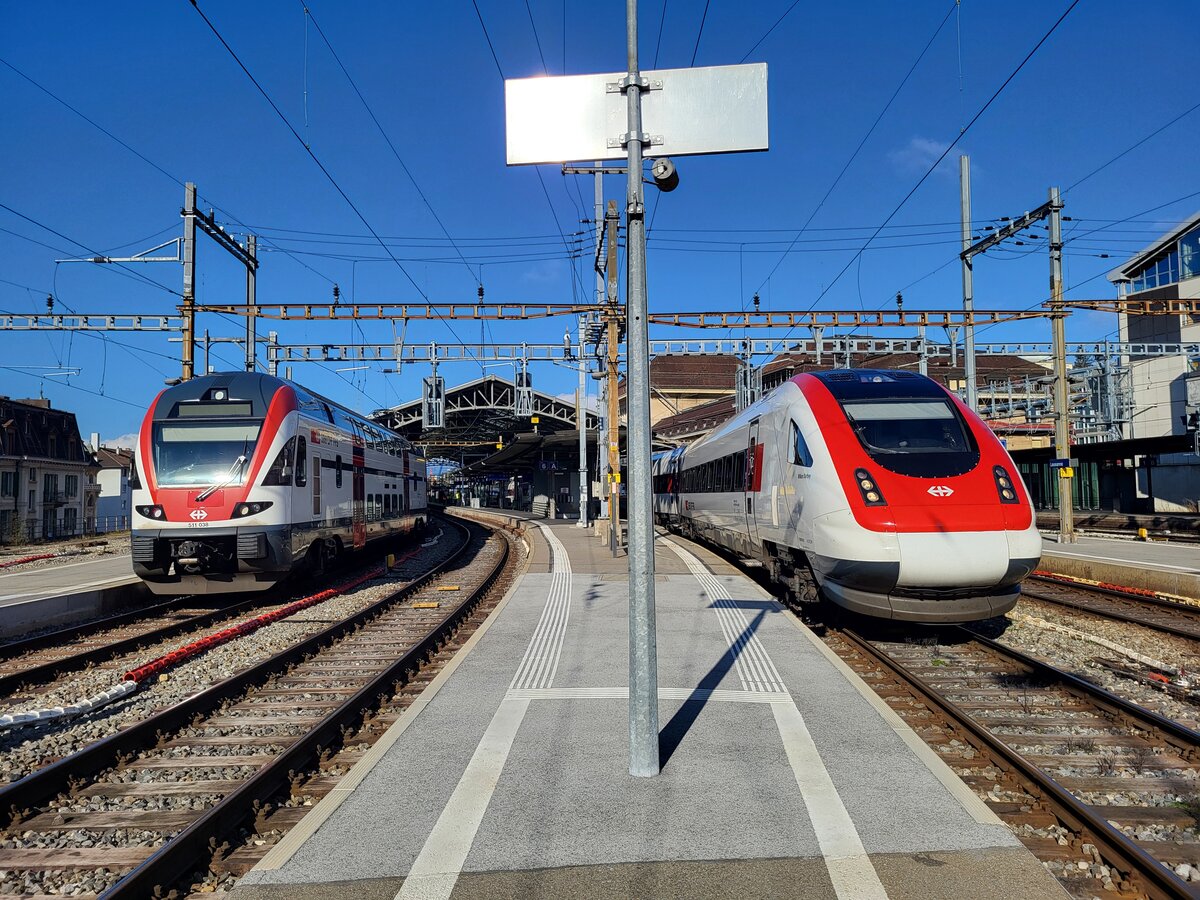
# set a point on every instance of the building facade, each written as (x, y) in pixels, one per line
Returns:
(113, 503)
(47, 476)
(1168, 269)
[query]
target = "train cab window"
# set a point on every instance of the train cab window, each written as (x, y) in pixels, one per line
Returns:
(301, 462)
(926, 438)
(282, 469)
(800, 454)
(337, 472)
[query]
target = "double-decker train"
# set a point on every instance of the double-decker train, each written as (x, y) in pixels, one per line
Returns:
(878, 487)
(243, 478)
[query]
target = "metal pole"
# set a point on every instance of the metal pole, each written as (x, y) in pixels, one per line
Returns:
(207, 350)
(614, 410)
(1062, 412)
(643, 655)
(598, 182)
(188, 307)
(581, 421)
(964, 183)
(251, 302)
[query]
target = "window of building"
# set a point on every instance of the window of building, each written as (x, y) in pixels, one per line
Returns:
(72, 485)
(8, 485)
(70, 521)
(1189, 254)
(49, 486)
(33, 476)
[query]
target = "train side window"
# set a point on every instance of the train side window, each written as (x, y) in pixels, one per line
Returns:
(337, 478)
(800, 452)
(301, 462)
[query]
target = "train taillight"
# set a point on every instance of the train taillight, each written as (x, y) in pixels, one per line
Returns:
(151, 512)
(1004, 485)
(869, 488)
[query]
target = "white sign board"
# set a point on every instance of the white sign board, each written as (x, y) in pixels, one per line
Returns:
(714, 109)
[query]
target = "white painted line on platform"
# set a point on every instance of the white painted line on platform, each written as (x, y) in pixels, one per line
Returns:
(967, 798)
(622, 693)
(1054, 550)
(850, 869)
(307, 827)
(751, 660)
(437, 866)
(540, 662)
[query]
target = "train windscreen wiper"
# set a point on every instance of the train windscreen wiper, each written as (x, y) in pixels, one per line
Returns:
(234, 471)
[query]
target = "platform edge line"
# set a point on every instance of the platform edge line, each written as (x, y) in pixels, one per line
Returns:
(278, 855)
(967, 798)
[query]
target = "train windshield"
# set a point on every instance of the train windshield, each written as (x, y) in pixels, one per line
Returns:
(195, 454)
(925, 438)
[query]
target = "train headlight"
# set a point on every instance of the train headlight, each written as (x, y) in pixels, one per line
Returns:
(1004, 485)
(251, 509)
(871, 494)
(151, 512)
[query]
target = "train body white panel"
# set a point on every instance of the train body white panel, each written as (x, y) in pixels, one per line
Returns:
(244, 478)
(898, 499)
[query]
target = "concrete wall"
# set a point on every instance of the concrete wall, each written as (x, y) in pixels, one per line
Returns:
(1175, 483)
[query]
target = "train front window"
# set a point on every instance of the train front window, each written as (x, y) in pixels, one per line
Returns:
(200, 454)
(925, 438)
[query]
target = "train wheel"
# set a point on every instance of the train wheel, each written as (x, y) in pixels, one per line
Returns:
(318, 558)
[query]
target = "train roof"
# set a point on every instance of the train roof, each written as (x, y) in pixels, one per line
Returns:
(256, 389)
(857, 384)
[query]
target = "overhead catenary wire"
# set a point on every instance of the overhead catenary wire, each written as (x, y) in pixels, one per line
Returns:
(862, 143)
(387, 138)
(575, 286)
(950, 146)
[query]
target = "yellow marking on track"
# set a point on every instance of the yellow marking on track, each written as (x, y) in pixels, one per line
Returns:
(448, 587)
(426, 604)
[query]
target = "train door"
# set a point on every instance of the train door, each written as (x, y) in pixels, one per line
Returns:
(407, 499)
(753, 481)
(358, 488)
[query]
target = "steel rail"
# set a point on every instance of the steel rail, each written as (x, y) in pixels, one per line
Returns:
(56, 667)
(17, 798)
(51, 638)
(1116, 615)
(1119, 850)
(184, 849)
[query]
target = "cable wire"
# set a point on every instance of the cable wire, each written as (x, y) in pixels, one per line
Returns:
(387, 138)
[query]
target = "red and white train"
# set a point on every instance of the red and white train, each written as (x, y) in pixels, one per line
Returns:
(243, 478)
(880, 487)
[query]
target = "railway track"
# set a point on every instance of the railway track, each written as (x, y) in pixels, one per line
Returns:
(1149, 610)
(138, 810)
(50, 654)
(1103, 791)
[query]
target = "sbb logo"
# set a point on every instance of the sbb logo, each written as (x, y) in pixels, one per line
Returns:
(941, 490)
(199, 514)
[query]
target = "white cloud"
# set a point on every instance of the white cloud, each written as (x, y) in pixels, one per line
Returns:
(919, 154)
(128, 441)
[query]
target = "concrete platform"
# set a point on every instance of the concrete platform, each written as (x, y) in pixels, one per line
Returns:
(783, 775)
(61, 594)
(1154, 565)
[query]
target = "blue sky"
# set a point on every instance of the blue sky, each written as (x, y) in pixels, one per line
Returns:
(158, 79)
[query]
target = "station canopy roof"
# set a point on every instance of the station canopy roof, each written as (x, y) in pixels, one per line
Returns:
(478, 415)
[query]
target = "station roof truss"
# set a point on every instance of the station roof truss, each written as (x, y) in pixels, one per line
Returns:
(478, 415)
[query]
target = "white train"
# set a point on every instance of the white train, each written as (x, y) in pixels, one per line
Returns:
(879, 487)
(243, 478)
